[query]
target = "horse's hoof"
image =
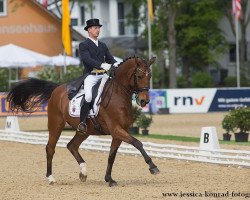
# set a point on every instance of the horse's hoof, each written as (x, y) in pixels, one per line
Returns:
(154, 171)
(51, 180)
(82, 177)
(112, 183)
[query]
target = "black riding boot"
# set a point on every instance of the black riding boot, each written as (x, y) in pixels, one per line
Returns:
(82, 127)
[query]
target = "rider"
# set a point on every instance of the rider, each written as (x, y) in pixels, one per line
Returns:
(97, 60)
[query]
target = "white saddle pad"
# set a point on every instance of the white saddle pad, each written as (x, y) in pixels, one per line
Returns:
(75, 103)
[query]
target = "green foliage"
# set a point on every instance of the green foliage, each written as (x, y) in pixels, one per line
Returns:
(230, 81)
(241, 118)
(144, 121)
(202, 80)
(182, 82)
(4, 74)
(136, 111)
(227, 123)
(200, 41)
(51, 74)
(73, 72)
(237, 119)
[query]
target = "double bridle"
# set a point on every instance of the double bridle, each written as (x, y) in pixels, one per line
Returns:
(137, 89)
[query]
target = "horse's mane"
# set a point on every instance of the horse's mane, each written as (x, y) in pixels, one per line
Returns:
(129, 58)
(124, 60)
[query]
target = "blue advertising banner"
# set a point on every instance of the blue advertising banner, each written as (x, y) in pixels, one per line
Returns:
(158, 99)
(4, 108)
(198, 100)
(227, 99)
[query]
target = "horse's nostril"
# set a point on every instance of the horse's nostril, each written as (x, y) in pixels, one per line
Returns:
(143, 103)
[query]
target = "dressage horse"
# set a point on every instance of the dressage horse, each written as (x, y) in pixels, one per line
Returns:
(132, 76)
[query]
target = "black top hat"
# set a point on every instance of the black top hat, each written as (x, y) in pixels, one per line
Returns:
(92, 22)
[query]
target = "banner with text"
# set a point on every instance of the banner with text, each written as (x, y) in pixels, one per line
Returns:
(198, 100)
(4, 108)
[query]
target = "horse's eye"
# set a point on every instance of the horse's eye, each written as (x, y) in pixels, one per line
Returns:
(140, 77)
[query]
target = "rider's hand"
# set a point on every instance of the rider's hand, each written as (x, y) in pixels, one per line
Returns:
(105, 66)
(116, 64)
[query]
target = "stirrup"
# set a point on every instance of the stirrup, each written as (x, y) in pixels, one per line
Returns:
(82, 128)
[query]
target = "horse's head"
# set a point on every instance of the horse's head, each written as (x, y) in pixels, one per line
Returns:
(140, 80)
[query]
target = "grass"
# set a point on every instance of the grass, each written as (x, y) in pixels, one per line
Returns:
(171, 137)
(187, 139)
(175, 138)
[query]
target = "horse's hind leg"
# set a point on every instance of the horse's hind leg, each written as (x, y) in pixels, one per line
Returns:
(112, 154)
(55, 126)
(73, 147)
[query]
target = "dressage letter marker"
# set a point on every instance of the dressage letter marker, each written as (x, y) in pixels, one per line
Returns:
(209, 139)
(12, 123)
(206, 137)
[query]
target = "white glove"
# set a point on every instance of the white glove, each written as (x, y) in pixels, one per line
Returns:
(105, 66)
(116, 64)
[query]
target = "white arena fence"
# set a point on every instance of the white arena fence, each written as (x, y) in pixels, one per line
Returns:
(165, 151)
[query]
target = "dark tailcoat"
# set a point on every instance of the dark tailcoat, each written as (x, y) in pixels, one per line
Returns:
(93, 56)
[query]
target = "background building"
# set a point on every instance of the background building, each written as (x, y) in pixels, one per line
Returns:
(28, 24)
(121, 37)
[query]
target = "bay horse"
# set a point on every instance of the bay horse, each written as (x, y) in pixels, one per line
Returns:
(115, 114)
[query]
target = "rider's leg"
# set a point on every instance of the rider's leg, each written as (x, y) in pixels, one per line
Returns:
(82, 127)
(89, 82)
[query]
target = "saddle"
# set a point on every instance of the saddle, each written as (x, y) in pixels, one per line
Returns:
(74, 86)
(76, 94)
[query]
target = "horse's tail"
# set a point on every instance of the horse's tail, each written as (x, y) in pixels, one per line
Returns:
(27, 94)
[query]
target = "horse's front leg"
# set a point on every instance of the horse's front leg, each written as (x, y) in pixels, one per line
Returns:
(124, 136)
(112, 154)
(152, 167)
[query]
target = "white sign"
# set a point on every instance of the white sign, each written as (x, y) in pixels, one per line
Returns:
(209, 139)
(190, 100)
(12, 124)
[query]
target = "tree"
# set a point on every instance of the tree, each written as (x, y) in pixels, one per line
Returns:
(172, 10)
(200, 41)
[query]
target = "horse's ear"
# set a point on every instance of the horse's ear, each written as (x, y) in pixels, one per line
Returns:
(137, 60)
(151, 61)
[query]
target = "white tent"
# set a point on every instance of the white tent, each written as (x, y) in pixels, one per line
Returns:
(15, 56)
(12, 56)
(61, 60)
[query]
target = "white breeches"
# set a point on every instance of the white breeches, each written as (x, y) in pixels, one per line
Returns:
(89, 82)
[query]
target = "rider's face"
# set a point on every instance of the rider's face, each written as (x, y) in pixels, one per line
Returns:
(94, 31)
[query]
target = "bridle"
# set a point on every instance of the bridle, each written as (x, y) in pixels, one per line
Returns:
(129, 91)
(137, 89)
